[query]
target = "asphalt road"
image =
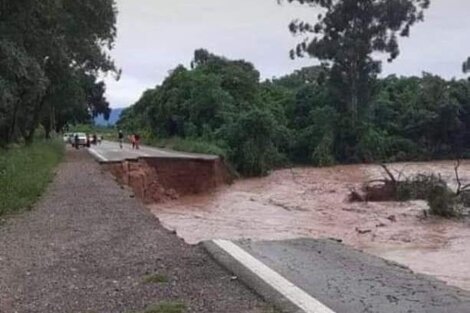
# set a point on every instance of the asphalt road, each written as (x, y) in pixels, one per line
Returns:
(326, 276)
(110, 151)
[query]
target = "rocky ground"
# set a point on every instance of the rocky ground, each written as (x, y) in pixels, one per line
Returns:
(89, 246)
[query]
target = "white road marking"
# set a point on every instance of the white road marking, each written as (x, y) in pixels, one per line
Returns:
(98, 155)
(296, 295)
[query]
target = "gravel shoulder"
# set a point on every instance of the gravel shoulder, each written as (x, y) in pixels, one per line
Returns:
(88, 246)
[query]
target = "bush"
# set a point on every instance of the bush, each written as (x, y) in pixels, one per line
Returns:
(443, 202)
(188, 145)
(197, 146)
(419, 187)
(374, 145)
(323, 154)
(25, 172)
(250, 141)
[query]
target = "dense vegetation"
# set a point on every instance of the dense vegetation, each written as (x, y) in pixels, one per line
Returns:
(51, 55)
(337, 112)
(296, 118)
(25, 172)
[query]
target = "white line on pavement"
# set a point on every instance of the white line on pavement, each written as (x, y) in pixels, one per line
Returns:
(97, 154)
(296, 295)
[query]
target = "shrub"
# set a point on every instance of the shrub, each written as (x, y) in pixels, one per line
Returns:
(323, 154)
(250, 141)
(188, 145)
(443, 202)
(374, 145)
(418, 187)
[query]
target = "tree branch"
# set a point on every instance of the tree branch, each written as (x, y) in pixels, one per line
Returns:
(390, 175)
(459, 183)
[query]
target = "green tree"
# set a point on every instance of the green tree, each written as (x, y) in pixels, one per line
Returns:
(251, 142)
(347, 35)
(43, 45)
(466, 66)
(294, 119)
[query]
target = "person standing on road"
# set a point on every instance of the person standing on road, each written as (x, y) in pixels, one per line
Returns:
(132, 139)
(121, 138)
(137, 141)
(76, 141)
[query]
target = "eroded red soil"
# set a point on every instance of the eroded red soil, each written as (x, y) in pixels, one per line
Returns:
(156, 180)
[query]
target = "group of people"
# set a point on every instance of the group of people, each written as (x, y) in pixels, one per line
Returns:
(134, 139)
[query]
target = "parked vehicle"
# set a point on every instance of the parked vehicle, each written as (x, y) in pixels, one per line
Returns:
(82, 139)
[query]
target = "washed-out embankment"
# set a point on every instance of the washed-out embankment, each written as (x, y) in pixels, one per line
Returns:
(157, 179)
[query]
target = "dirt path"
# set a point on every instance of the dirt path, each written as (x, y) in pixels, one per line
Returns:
(88, 247)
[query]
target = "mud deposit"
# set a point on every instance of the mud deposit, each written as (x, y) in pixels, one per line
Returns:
(312, 202)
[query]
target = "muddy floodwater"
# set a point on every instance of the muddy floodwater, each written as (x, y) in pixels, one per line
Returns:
(312, 202)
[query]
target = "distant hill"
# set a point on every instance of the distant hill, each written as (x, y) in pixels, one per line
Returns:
(113, 118)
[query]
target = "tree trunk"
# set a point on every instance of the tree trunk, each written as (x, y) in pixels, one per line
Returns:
(47, 130)
(354, 94)
(36, 120)
(11, 131)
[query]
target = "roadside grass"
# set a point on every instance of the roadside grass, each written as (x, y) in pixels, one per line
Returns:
(187, 145)
(155, 279)
(25, 171)
(165, 307)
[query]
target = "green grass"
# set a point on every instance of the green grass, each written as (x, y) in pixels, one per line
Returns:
(155, 279)
(25, 171)
(187, 145)
(166, 307)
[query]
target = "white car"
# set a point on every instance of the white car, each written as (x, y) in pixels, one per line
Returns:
(82, 139)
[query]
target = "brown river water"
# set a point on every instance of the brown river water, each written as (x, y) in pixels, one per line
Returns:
(312, 202)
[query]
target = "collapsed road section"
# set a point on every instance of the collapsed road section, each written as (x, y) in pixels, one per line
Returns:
(156, 179)
(156, 175)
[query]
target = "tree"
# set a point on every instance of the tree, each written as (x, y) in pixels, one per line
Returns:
(466, 66)
(347, 34)
(43, 45)
(219, 102)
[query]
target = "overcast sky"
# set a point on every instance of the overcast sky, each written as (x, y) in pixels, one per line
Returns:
(154, 36)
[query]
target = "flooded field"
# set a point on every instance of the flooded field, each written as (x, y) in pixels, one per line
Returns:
(312, 202)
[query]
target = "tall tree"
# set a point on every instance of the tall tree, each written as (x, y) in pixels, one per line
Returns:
(346, 35)
(466, 66)
(44, 44)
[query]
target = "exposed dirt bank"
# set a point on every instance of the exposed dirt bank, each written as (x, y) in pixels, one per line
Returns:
(156, 179)
(311, 202)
